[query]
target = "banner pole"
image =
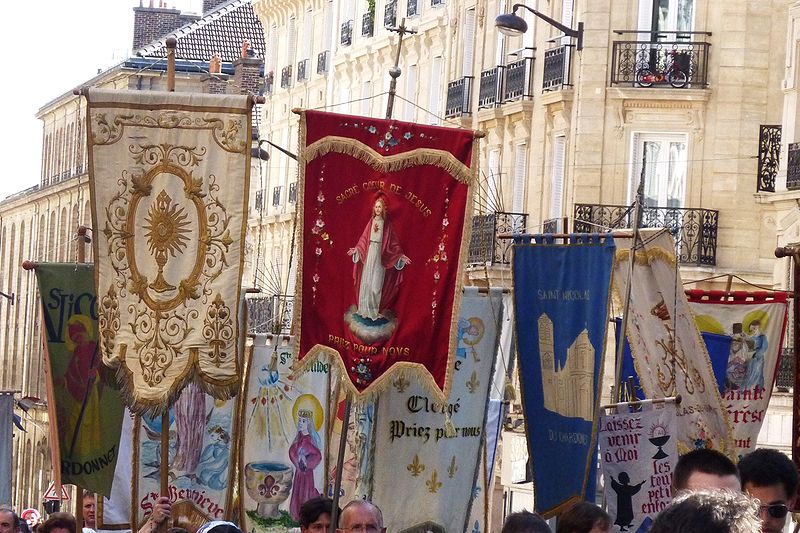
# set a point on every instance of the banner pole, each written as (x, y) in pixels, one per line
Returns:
(637, 215)
(337, 483)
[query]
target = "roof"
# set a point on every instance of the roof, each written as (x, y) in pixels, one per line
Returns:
(219, 31)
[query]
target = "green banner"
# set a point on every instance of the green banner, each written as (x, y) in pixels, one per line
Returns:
(88, 407)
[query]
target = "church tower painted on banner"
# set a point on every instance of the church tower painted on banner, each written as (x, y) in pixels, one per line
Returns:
(568, 389)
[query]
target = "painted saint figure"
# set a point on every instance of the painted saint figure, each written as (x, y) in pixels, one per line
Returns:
(756, 341)
(213, 466)
(305, 453)
(625, 492)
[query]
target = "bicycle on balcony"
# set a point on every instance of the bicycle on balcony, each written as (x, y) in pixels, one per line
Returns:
(675, 74)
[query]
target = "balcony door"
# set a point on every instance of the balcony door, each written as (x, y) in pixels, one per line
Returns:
(673, 16)
(665, 168)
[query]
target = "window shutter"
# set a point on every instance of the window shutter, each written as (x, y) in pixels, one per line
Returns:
(645, 23)
(291, 43)
(308, 35)
(435, 96)
(468, 38)
(520, 174)
(557, 182)
(328, 30)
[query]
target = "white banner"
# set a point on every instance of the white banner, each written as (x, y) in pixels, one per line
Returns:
(638, 452)
(668, 352)
(114, 513)
(415, 456)
(284, 422)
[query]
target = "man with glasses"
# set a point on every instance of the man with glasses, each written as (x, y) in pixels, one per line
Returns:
(315, 515)
(361, 516)
(771, 477)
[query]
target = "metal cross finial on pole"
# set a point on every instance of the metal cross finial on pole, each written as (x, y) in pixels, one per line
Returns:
(395, 71)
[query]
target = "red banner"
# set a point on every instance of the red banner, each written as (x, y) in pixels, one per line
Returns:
(384, 208)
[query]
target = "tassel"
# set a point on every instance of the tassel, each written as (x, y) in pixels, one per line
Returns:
(509, 392)
(449, 428)
(273, 363)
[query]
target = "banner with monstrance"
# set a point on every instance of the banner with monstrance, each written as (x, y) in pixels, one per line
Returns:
(169, 177)
(384, 207)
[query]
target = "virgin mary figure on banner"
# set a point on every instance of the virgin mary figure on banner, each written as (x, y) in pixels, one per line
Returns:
(377, 272)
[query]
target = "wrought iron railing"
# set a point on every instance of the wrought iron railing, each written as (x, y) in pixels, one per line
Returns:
(347, 33)
(436, 3)
(769, 152)
(390, 14)
(556, 68)
(258, 204)
(489, 90)
(286, 77)
(269, 82)
(412, 8)
(785, 378)
(459, 94)
(322, 62)
(293, 193)
(303, 70)
(485, 246)
(519, 76)
(681, 61)
(695, 230)
(276, 195)
(368, 25)
(793, 167)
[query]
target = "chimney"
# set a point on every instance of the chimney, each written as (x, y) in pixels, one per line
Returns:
(246, 71)
(217, 82)
(211, 5)
(152, 23)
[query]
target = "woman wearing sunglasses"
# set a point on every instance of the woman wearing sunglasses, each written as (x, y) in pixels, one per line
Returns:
(771, 477)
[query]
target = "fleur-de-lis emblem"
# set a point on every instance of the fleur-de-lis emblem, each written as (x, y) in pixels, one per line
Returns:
(415, 467)
(433, 483)
(452, 469)
(401, 384)
(473, 382)
(269, 488)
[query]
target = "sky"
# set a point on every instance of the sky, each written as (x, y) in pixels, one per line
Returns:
(49, 48)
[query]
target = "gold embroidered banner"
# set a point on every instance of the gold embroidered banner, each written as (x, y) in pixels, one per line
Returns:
(169, 177)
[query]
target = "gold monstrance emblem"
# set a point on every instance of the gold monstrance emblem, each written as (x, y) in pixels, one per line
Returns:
(166, 234)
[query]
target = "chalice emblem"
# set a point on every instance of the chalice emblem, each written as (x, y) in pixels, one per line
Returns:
(659, 437)
(167, 229)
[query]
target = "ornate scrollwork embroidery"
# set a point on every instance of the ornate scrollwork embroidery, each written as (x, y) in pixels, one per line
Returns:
(218, 330)
(108, 319)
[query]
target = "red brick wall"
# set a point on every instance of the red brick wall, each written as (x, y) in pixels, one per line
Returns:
(151, 23)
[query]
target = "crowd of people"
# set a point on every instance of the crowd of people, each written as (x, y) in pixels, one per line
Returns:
(711, 495)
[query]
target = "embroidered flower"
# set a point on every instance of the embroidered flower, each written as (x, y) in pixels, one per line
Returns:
(436, 276)
(380, 143)
(315, 277)
(443, 257)
(436, 258)
(393, 142)
(324, 236)
(320, 197)
(318, 251)
(445, 222)
(441, 247)
(320, 223)
(407, 135)
(387, 136)
(372, 129)
(433, 305)
(315, 230)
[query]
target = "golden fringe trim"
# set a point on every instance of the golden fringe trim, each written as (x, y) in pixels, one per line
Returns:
(645, 257)
(393, 163)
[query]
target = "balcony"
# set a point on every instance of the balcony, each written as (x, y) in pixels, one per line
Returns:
(785, 378)
(695, 230)
(437, 3)
(347, 33)
(322, 62)
(769, 152)
(485, 247)
(293, 193)
(489, 89)
(303, 70)
(556, 68)
(390, 14)
(368, 25)
(519, 75)
(660, 62)
(269, 82)
(258, 204)
(412, 8)
(793, 167)
(286, 77)
(276, 195)
(459, 94)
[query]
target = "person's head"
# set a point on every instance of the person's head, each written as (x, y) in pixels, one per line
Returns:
(89, 509)
(219, 526)
(59, 523)
(9, 521)
(304, 421)
(709, 510)
(584, 517)
(379, 207)
(361, 516)
(771, 477)
(755, 327)
(525, 522)
(220, 434)
(705, 469)
(315, 515)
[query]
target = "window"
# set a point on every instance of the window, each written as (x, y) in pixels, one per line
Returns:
(665, 170)
(666, 16)
(520, 174)
(291, 42)
(557, 177)
(493, 181)
(468, 41)
(435, 96)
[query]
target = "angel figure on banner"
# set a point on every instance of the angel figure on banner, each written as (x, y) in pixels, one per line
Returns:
(305, 452)
(378, 262)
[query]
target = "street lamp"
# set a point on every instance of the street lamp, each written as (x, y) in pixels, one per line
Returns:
(512, 24)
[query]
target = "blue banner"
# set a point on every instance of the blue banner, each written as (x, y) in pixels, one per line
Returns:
(561, 294)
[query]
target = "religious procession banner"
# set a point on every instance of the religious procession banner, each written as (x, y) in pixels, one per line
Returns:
(561, 297)
(169, 178)
(203, 439)
(756, 325)
(384, 207)
(86, 401)
(668, 353)
(638, 452)
(114, 511)
(479, 515)
(429, 450)
(285, 420)
(359, 452)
